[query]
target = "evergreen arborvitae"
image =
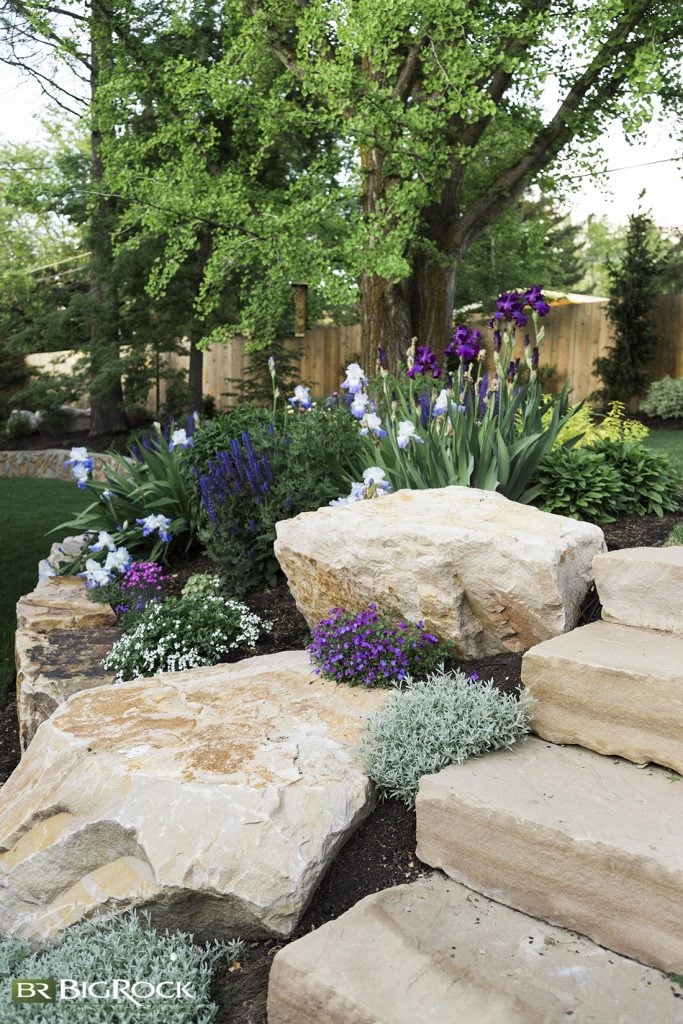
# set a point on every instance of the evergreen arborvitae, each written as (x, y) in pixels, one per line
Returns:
(626, 370)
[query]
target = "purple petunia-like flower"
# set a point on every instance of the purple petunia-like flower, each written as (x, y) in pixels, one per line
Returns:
(371, 649)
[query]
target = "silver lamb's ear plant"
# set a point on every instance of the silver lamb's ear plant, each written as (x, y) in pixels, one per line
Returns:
(447, 719)
(123, 946)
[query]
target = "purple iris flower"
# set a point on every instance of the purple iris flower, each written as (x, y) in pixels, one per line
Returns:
(465, 343)
(425, 362)
(534, 298)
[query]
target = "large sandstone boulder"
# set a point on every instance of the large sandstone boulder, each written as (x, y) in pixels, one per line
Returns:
(52, 665)
(642, 587)
(60, 642)
(60, 602)
(486, 573)
(437, 952)
(215, 798)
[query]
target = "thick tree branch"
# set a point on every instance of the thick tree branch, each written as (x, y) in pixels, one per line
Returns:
(552, 138)
(409, 72)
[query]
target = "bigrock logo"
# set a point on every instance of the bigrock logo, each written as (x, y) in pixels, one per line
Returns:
(34, 990)
(49, 990)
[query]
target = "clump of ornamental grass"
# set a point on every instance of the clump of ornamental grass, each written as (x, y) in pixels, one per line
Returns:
(447, 719)
(124, 947)
(371, 648)
(182, 633)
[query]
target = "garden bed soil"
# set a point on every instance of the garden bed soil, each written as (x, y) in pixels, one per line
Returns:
(117, 441)
(382, 851)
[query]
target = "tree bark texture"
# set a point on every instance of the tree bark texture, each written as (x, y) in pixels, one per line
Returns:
(106, 392)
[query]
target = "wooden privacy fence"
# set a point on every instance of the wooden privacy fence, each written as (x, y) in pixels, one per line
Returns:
(576, 334)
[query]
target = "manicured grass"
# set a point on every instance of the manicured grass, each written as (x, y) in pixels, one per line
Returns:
(28, 509)
(670, 442)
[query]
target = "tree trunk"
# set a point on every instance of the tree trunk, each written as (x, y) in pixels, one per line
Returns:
(196, 377)
(106, 393)
(432, 296)
(385, 321)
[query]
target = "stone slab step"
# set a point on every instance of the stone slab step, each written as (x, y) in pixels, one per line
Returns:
(436, 952)
(642, 587)
(612, 688)
(585, 842)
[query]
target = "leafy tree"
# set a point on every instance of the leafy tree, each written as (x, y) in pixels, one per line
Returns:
(438, 111)
(634, 283)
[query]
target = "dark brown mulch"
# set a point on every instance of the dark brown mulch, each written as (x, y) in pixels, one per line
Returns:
(382, 851)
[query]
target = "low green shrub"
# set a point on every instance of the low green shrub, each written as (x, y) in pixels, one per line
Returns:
(577, 482)
(205, 584)
(445, 720)
(183, 633)
(125, 947)
(253, 479)
(664, 398)
(649, 481)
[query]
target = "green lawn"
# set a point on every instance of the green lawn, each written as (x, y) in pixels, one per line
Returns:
(670, 442)
(28, 509)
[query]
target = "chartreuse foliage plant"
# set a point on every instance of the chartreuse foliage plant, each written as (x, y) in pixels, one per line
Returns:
(447, 719)
(434, 427)
(586, 428)
(124, 947)
(373, 648)
(664, 398)
(183, 633)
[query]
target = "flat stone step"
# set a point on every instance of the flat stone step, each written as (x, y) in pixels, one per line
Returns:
(436, 952)
(585, 842)
(611, 688)
(642, 587)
